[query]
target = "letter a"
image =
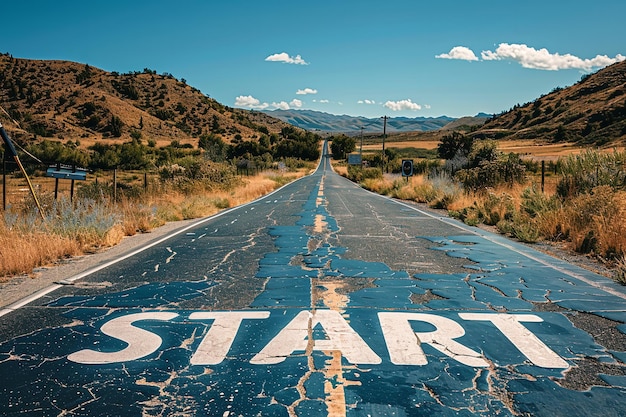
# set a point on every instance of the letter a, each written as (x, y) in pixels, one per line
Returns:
(295, 337)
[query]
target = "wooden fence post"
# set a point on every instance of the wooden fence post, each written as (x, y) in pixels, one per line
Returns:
(543, 174)
(115, 184)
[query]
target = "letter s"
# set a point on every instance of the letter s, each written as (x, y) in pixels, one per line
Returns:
(140, 342)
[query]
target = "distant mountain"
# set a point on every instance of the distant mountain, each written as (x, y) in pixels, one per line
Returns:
(467, 122)
(592, 111)
(325, 122)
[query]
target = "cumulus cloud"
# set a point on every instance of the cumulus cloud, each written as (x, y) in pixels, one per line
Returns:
(459, 52)
(543, 59)
(366, 101)
(287, 59)
(295, 103)
(529, 57)
(306, 91)
(250, 102)
(402, 105)
(282, 105)
(321, 101)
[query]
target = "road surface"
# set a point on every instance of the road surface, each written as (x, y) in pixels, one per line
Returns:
(321, 299)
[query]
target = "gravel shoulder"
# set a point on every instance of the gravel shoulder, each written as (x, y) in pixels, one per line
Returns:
(20, 287)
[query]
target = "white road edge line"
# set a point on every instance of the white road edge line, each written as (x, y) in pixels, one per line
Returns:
(27, 300)
(530, 256)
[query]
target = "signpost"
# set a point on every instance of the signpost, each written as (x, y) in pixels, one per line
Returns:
(407, 168)
(66, 172)
(354, 159)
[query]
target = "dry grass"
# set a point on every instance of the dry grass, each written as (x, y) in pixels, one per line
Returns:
(21, 252)
(539, 150)
(27, 243)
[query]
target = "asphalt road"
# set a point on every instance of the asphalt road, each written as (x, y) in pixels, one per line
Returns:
(321, 299)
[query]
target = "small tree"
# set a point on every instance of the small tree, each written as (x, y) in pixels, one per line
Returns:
(455, 145)
(215, 148)
(115, 126)
(487, 167)
(342, 146)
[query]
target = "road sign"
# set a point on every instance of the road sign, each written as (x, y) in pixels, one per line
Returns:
(407, 167)
(66, 172)
(354, 159)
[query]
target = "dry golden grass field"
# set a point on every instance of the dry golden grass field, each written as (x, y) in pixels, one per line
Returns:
(526, 148)
(27, 243)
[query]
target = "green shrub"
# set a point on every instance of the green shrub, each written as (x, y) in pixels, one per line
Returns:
(525, 229)
(535, 202)
(358, 174)
(581, 173)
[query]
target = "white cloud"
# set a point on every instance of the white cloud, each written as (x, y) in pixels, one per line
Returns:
(285, 58)
(402, 105)
(459, 52)
(366, 101)
(295, 103)
(542, 59)
(283, 105)
(250, 102)
(306, 91)
(321, 101)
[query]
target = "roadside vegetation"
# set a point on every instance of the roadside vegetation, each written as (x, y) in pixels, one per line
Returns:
(581, 204)
(157, 185)
(94, 220)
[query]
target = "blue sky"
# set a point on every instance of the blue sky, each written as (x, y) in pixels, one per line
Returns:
(364, 58)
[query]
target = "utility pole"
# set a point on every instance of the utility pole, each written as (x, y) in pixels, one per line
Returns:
(10, 150)
(361, 149)
(384, 135)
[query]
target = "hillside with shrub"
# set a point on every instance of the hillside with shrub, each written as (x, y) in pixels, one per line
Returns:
(71, 113)
(72, 101)
(592, 111)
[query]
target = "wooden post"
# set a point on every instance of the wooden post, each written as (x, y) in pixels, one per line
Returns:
(72, 186)
(145, 181)
(114, 184)
(4, 183)
(56, 183)
(543, 174)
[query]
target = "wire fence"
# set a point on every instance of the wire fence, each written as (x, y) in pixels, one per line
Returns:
(61, 180)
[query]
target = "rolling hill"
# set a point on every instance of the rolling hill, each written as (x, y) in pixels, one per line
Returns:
(590, 112)
(72, 101)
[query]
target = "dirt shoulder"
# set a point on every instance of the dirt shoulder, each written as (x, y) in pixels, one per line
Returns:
(20, 287)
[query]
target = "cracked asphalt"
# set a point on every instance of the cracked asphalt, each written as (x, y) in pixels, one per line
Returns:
(321, 299)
